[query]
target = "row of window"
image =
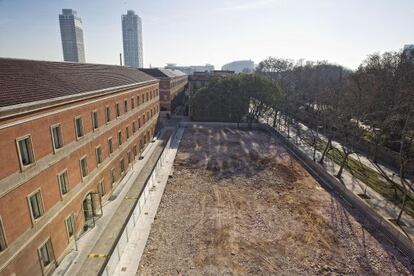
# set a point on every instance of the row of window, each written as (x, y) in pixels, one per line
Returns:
(25, 146)
(35, 199)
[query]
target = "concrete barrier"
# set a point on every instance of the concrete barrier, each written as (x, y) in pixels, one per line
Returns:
(123, 238)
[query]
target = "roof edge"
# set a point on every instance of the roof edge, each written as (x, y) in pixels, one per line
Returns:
(10, 111)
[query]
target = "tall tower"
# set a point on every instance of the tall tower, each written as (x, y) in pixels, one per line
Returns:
(72, 36)
(132, 39)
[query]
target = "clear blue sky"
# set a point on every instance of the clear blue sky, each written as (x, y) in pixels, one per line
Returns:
(214, 31)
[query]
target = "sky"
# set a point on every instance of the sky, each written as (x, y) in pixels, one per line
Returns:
(196, 32)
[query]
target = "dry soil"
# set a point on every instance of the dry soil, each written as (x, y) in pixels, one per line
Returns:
(239, 204)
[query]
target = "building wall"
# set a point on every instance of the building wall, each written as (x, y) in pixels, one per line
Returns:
(169, 89)
(23, 235)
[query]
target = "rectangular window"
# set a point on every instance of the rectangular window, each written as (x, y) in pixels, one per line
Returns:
(107, 114)
(57, 137)
(119, 138)
(133, 127)
(138, 103)
(110, 147)
(45, 252)
(84, 167)
(129, 157)
(122, 165)
(101, 188)
(125, 106)
(3, 243)
(36, 205)
(118, 111)
(63, 181)
(146, 97)
(135, 151)
(25, 151)
(79, 127)
(70, 226)
(95, 123)
(98, 153)
(113, 179)
(143, 119)
(132, 103)
(139, 123)
(127, 132)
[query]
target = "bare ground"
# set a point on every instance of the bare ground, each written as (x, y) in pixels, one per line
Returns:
(238, 204)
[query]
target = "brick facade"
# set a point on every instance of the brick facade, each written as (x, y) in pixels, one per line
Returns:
(25, 235)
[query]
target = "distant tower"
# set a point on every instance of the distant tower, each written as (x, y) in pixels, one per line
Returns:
(132, 39)
(72, 36)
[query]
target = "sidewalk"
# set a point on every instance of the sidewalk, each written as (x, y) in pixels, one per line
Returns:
(71, 264)
(131, 257)
(376, 201)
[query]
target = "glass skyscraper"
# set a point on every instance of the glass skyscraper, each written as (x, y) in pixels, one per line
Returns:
(132, 39)
(72, 36)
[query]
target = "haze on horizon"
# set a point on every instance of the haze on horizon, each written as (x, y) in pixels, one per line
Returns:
(190, 32)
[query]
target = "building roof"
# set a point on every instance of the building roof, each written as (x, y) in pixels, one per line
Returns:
(163, 73)
(25, 81)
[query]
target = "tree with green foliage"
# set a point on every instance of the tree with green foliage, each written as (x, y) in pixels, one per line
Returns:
(239, 98)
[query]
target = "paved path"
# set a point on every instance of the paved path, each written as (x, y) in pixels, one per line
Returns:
(377, 202)
(101, 237)
(131, 257)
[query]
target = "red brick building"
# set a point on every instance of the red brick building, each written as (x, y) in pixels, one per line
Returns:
(172, 83)
(68, 133)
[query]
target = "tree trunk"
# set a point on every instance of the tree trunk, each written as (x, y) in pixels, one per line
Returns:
(402, 207)
(341, 169)
(274, 119)
(325, 151)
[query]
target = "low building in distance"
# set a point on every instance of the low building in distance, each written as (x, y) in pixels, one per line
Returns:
(71, 32)
(241, 66)
(202, 79)
(189, 70)
(132, 39)
(172, 83)
(68, 133)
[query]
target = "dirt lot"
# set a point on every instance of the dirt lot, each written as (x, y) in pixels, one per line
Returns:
(238, 204)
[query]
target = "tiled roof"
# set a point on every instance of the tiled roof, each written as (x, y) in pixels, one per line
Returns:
(162, 72)
(25, 81)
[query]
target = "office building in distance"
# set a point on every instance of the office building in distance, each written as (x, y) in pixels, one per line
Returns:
(68, 132)
(72, 36)
(132, 39)
(189, 70)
